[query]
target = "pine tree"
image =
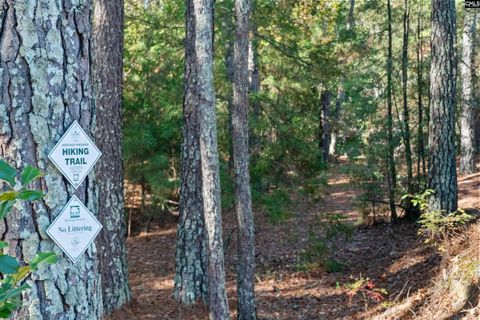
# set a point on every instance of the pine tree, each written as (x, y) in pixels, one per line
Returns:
(243, 198)
(45, 63)
(469, 103)
(442, 176)
(191, 269)
(107, 78)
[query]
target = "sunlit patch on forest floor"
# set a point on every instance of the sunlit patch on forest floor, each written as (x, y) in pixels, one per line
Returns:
(394, 259)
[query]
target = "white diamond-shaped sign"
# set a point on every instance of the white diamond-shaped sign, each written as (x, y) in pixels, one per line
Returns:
(74, 229)
(75, 155)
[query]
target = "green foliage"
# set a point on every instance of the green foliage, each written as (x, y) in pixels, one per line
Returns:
(323, 238)
(153, 90)
(276, 204)
(365, 288)
(437, 225)
(12, 271)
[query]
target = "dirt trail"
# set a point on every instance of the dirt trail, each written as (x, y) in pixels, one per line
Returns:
(395, 259)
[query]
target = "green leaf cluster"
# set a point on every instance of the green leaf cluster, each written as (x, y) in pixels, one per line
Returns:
(13, 273)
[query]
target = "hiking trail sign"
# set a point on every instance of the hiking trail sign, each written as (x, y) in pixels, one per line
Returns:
(74, 229)
(75, 155)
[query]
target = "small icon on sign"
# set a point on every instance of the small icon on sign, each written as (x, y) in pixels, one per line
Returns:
(75, 135)
(74, 212)
(75, 242)
(76, 177)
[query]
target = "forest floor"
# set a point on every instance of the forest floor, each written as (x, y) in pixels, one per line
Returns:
(290, 285)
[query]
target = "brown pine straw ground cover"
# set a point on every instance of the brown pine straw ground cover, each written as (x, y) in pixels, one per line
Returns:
(394, 259)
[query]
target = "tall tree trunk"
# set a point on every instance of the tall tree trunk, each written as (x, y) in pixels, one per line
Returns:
(392, 180)
(335, 119)
(351, 17)
(421, 165)
(469, 106)
(254, 86)
(324, 125)
(243, 199)
(406, 117)
(253, 71)
(191, 257)
(205, 107)
(44, 86)
(442, 176)
(107, 76)
(230, 69)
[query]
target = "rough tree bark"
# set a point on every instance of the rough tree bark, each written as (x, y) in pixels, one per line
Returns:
(406, 116)
(243, 199)
(107, 76)
(469, 106)
(442, 176)
(254, 85)
(44, 86)
(205, 108)
(191, 260)
(392, 181)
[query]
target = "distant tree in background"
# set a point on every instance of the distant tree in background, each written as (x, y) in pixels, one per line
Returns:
(392, 174)
(406, 112)
(107, 79)
(442, 176)
(469, 110)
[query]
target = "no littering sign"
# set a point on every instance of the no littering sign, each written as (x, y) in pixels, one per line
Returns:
(74, 229)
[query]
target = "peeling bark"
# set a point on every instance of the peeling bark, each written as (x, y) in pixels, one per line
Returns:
(442, 176)
(45, 86)
(107, 76)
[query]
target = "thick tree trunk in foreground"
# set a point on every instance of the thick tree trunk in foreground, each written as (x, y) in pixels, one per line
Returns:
(44, 86)
(243, 199)
(191, 278)
(469, 106)
(205, 108)
(442, 176)
(107, 76)
(406, 115)
(392, 179)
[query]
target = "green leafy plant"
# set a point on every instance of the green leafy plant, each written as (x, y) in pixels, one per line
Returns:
(437, 225)
(367, 289)
(276, 205)
(13, 273)
(318, 255)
